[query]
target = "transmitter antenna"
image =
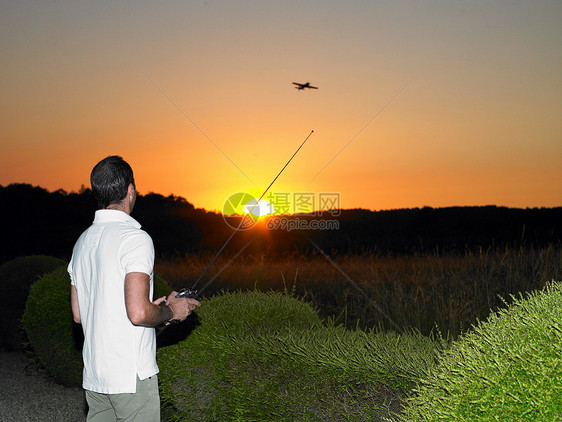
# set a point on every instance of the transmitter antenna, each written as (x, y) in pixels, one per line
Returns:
(247, 216)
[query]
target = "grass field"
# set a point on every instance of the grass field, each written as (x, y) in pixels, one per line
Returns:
(426, 292)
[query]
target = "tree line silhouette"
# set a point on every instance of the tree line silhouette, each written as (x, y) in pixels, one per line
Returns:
(36, 221)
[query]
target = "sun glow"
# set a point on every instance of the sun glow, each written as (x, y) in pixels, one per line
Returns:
(259, 209)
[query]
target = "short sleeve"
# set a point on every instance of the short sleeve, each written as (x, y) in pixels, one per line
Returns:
(137, 253)
(69, 270)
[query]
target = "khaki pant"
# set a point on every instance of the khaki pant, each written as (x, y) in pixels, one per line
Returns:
(142, 406)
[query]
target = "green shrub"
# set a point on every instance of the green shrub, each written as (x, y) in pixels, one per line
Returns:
(197, 366)
(507, 368)
(48, 323)
(53, 335)
(265, 356)
(16, 278)
(241, 313)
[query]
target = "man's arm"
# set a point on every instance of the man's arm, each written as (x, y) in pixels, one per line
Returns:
(74, 305)
(141, 311)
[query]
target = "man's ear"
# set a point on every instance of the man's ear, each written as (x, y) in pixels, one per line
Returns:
(131, 190)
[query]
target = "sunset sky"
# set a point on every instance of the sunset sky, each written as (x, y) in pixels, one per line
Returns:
(420, 103)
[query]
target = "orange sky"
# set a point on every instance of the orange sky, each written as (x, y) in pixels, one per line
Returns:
(476, 122)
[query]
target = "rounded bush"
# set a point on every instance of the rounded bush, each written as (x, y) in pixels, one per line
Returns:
(16, 278)
(240, 312)
(507, 368)
(196, 374)
(55, 338)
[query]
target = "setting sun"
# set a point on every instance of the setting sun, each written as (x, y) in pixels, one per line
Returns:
(259, 209)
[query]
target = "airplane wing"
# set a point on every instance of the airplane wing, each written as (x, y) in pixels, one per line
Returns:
(303, 86)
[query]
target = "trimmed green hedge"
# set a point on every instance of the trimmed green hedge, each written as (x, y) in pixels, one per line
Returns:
(48, 323)
(16, 278)
(264, 356)
(508, 368)
(53, 335)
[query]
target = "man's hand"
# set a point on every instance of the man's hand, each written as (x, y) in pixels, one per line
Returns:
(181, 306)
(159, 300)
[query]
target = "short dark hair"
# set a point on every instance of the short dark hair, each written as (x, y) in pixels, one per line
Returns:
(110, 180)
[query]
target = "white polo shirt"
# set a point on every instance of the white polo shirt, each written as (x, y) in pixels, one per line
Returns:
(115, 351)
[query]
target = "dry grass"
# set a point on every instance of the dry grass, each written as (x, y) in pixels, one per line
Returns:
(422, 292)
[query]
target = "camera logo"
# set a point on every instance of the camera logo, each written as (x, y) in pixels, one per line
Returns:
(287, 211)
(241, 212)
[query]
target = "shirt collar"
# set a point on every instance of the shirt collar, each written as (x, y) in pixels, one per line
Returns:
(107, 216)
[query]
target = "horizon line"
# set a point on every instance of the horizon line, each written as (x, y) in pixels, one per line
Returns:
(83, 188)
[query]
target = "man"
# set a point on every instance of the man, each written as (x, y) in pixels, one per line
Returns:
(111, 274)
